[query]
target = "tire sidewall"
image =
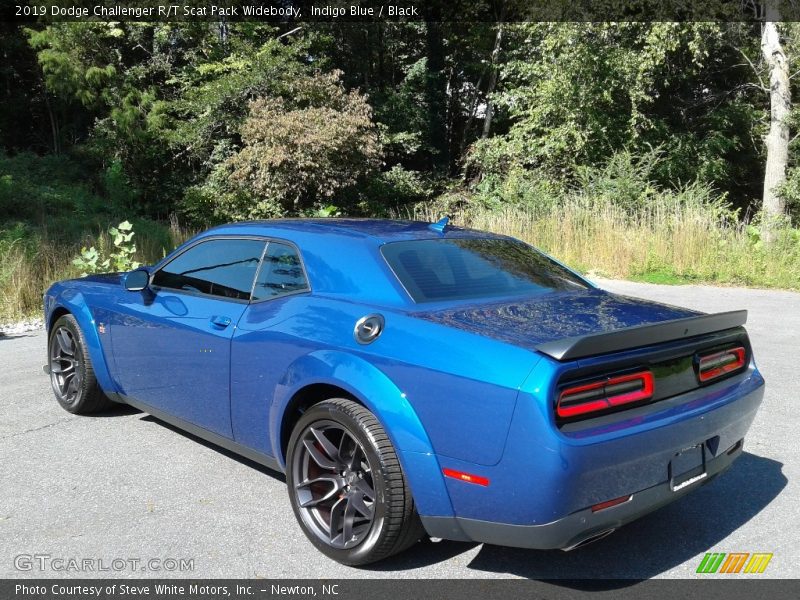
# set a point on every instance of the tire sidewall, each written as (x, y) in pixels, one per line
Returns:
(358, 554)
(68, 322)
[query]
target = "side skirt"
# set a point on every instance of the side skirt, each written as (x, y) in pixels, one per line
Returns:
(209, 436)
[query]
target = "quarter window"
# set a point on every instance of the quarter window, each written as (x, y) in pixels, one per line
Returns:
(224, 268)
(281, 274)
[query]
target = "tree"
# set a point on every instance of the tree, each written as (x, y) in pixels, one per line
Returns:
(777, 140)
(299, 153)
(487, 121)
(578, 93)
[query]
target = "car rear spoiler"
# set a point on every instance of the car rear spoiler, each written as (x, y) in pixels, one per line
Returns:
(629, 338)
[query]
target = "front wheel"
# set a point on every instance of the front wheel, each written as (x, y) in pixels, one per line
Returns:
(71, 372)
(346, 486)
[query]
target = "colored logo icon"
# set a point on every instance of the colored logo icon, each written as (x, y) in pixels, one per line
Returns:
(734, 562)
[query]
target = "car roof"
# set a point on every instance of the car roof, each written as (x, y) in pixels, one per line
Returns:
(342, 257)
(376, 230)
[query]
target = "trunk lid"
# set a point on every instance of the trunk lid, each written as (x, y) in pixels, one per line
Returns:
(529, 322)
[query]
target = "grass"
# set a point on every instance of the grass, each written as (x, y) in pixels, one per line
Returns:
(31, 258)
(667, 241)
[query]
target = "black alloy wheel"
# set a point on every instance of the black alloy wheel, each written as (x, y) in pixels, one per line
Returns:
(71, 373)
(346, 486)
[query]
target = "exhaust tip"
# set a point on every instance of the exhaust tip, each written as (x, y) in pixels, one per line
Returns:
(588, 540)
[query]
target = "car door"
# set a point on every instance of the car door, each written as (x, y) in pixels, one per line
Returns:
(260, 351)
(172, 341)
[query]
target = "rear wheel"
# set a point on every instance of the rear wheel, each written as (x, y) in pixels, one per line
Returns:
(71, 372)
(346, 486)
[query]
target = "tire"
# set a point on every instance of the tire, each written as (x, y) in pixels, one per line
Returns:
(346, 486)
(71, 374)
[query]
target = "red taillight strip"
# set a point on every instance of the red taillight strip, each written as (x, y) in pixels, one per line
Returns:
(603, 399)
(610, 503)
(468, 477)
(716, 365)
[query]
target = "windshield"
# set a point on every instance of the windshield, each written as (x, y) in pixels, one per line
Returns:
(458, 269)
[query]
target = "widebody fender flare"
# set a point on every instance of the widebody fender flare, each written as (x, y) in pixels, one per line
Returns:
(370, 386)
(74, 302)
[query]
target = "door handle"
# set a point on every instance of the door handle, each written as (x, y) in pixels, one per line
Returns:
(221, 322)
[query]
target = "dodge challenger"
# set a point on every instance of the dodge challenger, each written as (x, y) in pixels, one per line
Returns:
(414, 379)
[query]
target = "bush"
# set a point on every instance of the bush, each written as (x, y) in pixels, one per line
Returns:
(57, 193)
(298, 155)
(394, 188)
(117, 187)
(117, 258)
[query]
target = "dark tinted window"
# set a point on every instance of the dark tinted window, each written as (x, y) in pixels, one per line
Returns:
(223, 268)
(435, 270)
(282, 273)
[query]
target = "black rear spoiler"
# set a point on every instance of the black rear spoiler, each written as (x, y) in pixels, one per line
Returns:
(641, 335)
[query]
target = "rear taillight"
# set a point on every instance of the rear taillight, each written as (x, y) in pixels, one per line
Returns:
(714, 366)
(607, 393)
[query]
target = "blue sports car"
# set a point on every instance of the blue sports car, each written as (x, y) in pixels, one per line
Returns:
(414, 379)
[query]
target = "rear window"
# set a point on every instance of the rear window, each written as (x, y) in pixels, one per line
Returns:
(458, 269)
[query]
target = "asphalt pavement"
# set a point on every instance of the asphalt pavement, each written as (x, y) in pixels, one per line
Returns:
(126, 487)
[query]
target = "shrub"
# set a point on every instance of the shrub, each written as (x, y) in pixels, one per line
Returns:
(118, 258)
(394, 188)
(298, 155)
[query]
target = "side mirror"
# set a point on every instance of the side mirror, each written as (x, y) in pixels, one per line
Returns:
(137, 280)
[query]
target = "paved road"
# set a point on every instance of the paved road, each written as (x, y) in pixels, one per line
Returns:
(125, 486)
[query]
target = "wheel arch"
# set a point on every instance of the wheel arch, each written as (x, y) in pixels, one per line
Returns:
(301, 401)
(58, 312)
(311, 378)
(76, 306)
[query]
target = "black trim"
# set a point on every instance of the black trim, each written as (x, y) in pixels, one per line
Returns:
(641, 335)
(209, 436)
(572, 530)
(261, 238)
(261, 266)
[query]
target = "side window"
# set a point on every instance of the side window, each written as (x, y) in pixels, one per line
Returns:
(224, 268)
(281, 274)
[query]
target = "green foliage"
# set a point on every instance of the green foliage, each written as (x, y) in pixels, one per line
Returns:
(790, 191)
(403, 113)
(49, 188)
(118, 188)
(300, 154)
(396, 187)
(118, 258)
(214, 95)
(579, 93)
(78, 61)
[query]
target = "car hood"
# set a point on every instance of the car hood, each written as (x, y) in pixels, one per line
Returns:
(529, 322)
(111, 278)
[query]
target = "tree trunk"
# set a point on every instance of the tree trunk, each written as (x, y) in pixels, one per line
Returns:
(777, 140)
(436, 92)
(487, 122)
(53, 121)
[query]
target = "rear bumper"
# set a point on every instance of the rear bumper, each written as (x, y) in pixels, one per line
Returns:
(578, 527)
(541, 493)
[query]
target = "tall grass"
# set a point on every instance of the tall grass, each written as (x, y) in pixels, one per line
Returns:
(32, 259)
(671, 239)
(668, 240)
(27, 267)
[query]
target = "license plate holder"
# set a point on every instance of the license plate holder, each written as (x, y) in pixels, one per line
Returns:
(687, 467)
